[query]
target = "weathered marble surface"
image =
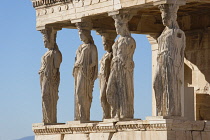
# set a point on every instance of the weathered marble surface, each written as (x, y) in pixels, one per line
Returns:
(120, 88)
(168, 81)
(105, 68)
(50, 76)
(49, 137)
(85, 72)
(76, 137)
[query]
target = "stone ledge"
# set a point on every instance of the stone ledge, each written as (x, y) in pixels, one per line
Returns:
(132, 125)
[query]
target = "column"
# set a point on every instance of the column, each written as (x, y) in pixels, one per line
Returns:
(108, 38)
(168, 81)
(154, 47)
(120, 87)
(50, 75)
(85, 71)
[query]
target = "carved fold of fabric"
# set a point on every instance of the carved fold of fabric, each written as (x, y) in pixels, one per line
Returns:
(49, 81)
(120, 88)
(167, 79)
(84, 73)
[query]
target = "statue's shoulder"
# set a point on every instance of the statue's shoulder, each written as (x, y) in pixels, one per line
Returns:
(131, 40)
(57, 54)
(179, 33)
(93, 46)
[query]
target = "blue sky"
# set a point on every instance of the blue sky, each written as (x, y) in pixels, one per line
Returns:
(20, 55)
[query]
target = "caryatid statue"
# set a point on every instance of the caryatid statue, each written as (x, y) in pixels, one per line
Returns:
(120, 87)
(50, 76)
(168, 81)
(105, 68)
(85, 72)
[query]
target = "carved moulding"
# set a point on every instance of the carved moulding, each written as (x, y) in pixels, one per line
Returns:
(103, 127)
(139, 125)
(38, 3)
(179, 2)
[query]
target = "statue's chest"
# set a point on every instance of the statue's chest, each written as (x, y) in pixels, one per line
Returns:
(166, 40)
(48, 56)
(166, 36)
(120, 47)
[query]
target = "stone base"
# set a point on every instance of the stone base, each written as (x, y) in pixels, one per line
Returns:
(156, 129)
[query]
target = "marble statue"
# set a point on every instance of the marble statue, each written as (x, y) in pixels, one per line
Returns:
(105, 68)
(168, 79)
(50, 76)
(120, 87)
(85, 72)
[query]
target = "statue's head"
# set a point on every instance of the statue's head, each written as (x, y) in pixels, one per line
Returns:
(121, 23)
(84, 29)
(85, 36)
(107, 43)
(169, 14)
(108, 38)
(49, 37)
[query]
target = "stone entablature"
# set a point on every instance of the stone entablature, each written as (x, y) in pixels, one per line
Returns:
(66, 12)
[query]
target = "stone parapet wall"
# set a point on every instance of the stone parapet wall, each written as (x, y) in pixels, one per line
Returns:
(162, 129)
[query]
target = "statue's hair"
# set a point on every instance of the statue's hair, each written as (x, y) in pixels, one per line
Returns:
(171, 10)
(87, 33)
(85, 28)
(108, 35)
(48, 33)
(84, 25)
(122, 18)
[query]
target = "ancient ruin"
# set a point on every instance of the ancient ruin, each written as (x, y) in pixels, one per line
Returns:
(179, 34)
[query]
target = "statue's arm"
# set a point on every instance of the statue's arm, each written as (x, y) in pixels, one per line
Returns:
(183, 49)
(108, 66)
(132, 47)
(57, 60)
(42, 67)
(94, 64)
(181, 44)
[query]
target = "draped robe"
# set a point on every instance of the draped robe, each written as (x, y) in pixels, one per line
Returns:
(49, 80)
(85, 73)
(168, 81)
(120, 88)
